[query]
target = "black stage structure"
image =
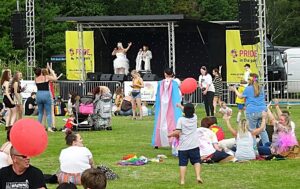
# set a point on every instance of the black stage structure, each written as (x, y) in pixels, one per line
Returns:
(197, 43)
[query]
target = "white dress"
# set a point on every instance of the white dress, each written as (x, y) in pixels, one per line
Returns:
(121, 62)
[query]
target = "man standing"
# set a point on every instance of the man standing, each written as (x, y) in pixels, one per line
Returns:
(21, 174)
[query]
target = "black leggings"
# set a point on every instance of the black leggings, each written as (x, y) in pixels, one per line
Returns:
(208, 103)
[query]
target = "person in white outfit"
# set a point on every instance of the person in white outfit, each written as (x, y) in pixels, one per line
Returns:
(144, 55)
(121, 63)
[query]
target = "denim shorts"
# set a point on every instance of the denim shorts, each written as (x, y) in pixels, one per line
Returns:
(136, 94)
(193, 155)
(240, 106)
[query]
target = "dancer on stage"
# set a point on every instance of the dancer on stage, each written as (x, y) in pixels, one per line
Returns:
(166, 112)
(144, 55)
(121, 63)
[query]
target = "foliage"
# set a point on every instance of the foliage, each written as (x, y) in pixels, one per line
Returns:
(283, 20)
(128, 136)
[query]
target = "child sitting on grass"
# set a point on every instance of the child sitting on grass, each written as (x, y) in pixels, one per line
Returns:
(224, 110)
(188, 148)
(69, 123)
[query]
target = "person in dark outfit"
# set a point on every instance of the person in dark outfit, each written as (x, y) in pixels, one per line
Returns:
(21, 174)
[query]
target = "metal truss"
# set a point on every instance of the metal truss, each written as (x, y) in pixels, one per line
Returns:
(171, 37)
(30, 29)
(263, 44)
(168, 24)
(125, 25)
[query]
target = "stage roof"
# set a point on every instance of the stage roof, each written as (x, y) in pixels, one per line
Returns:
(131, 18)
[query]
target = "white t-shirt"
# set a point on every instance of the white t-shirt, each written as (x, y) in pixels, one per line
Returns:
(206, 80)
(207, 138)
(188, 138)
(247, 75)
(75, 159)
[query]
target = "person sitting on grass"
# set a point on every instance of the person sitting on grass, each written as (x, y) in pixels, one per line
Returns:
(208, 144)
(283, 138)
(93, 178)
(188, 148)
(74, 159)
(244, 137)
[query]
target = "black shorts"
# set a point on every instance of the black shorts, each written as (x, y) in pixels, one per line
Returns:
(7, 102)
(193, 155)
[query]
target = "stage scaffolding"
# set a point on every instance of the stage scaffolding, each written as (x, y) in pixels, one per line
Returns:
(145, 21)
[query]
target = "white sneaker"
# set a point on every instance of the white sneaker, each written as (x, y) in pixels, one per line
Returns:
(64, 130)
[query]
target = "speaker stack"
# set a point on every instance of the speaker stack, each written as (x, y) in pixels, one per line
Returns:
(248, 21)
(105, 77)
(118, 77)
(18, 30)
(150, 77)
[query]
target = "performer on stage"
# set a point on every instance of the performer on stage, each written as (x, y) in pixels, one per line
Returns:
(121, 63)
(144, 55)
(166, 112)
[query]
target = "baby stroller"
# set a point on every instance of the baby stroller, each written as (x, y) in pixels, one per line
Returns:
(83, 110)
(101, 118)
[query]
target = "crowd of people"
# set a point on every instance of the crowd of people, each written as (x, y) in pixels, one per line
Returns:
(173, 121)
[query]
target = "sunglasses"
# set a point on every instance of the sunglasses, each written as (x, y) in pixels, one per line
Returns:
(22, 156)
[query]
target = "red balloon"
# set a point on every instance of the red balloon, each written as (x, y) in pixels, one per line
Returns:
(188, 86)
(29, 137)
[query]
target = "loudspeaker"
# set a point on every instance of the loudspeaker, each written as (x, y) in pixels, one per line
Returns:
(249, 37)
(105, 77)
(18, 30)
(150, 77)
(118, 77)
(248, 14)
(94, 76)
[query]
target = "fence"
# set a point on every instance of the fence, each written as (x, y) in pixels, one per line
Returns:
(287, 92)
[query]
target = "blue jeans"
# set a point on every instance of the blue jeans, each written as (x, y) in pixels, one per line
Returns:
(255, 122)
(44, 101)
(265, 150)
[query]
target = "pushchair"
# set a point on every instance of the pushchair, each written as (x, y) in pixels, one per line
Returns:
(101, 118)
(82, 111)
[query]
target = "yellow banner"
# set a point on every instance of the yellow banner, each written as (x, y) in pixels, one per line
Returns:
(73, 63)
(237, 55)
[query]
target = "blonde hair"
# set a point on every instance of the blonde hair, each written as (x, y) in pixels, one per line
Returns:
(287, 120)
(253, 80)
(243, 127)
(134, 72)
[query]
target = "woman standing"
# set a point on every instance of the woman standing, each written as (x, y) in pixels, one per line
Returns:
(8, 98)
(137, 84)
(16, 91)
(121, 63)
(217, 81)
(74, 159)
(208, 90)
(255, 105)
(43, 96)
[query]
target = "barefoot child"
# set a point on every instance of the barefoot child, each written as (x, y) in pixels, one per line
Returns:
(188, 142)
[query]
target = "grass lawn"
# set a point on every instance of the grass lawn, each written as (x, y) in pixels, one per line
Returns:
(129, 136)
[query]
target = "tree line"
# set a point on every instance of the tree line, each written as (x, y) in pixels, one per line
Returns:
(283, 20)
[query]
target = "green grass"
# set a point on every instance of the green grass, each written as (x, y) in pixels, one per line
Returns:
(129, 136)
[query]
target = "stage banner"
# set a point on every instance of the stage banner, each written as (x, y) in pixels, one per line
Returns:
(148, 92)
(237, 55)
(73, 66)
